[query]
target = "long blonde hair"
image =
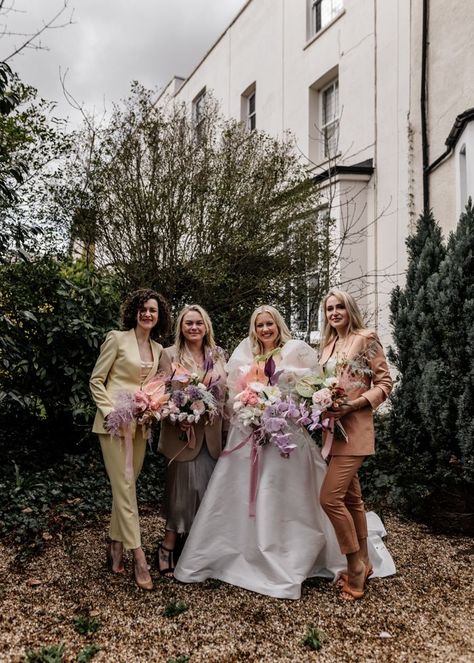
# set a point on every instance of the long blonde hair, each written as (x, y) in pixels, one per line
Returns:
(356, 321)
(209, 343)
(284, 333)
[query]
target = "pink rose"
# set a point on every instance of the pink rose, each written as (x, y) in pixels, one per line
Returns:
(248, 397)
(141, 402)
(322, 398)
(198, 407)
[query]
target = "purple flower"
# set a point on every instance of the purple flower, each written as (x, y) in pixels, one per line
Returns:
(194, 393)
(283, 442)
(274, 424)
(179, 398)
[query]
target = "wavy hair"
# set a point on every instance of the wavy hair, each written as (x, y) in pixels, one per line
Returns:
(134, 303)
(284, 333)
(356, 320)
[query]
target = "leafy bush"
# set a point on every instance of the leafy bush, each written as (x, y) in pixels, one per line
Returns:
(53, 318)
(38, 501)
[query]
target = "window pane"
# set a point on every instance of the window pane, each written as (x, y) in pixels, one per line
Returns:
(330, 139)
(252, 104)
(323, 11)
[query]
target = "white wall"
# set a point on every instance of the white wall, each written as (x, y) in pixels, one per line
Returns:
(374, 47)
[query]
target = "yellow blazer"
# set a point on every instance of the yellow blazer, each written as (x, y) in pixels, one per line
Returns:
(170, 444)
(118, 368)
(365, 346)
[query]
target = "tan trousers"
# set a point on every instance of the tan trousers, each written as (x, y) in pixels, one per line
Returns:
(124, 525)
(341, 499)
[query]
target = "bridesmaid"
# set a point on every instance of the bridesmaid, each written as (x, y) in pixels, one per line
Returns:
(345, 339)
(128, 359)
(191, 465)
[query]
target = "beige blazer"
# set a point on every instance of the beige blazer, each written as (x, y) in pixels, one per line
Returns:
(170, 444)
(365, 346)
(118, 368)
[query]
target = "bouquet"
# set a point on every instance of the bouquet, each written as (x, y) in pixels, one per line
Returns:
(327, 392)
(148, 404)
(262, 407)
(193, 399)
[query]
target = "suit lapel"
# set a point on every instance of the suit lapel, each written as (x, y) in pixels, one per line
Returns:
(134, 353)
(327, 351)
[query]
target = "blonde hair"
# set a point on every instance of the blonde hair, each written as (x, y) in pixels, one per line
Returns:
(209, 342)
(356, 321)
(284, 333)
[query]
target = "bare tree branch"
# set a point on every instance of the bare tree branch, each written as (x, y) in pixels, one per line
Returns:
(31, 39)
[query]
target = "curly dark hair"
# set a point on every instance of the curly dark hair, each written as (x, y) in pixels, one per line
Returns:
(134, 303)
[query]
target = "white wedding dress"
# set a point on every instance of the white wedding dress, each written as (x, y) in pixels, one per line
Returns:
(290, 538)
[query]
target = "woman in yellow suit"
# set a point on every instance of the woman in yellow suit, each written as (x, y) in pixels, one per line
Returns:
(128, 359)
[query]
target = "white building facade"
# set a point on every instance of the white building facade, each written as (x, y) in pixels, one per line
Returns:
(345, 78)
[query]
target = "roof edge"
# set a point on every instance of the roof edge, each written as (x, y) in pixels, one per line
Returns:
(363, 168)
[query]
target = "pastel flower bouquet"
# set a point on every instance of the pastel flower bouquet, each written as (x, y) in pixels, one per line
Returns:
(321, 393)
(192, 396)
(263, 407)
(146, 406)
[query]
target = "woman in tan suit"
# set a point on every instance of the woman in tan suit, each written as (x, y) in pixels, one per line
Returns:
(128, 360)
(360, 356)
(190, 463)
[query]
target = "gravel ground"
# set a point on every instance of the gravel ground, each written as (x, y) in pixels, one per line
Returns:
(424, 613)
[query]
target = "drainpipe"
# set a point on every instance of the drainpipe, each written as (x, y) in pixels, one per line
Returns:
(424, 109)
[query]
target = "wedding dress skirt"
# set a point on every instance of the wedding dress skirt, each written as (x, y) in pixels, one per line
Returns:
(289, 539)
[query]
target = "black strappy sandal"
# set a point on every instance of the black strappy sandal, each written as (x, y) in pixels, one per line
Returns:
(169, 570)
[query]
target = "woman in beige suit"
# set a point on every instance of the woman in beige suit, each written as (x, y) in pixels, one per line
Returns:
(128, 359)
(358, 353)
(190, 463)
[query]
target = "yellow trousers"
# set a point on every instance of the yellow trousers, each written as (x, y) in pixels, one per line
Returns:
(341, 499)
(124, 524)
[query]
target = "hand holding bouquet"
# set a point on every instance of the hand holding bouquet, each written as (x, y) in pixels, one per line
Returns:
(322, 394)
(147, 405)
(263, 407)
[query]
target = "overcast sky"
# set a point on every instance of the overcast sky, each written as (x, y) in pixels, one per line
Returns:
(111, 43)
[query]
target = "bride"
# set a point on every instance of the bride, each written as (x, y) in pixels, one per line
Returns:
(273, 546)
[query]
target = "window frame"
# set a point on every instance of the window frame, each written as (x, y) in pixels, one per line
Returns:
(197, 108)
(317, 14)
(333, 123)
(252, 115)
(249, 117)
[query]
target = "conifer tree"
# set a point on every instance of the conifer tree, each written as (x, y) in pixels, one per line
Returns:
(417, 341)
(447, 392)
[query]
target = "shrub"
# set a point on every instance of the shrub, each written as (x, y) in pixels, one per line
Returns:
(53, 318)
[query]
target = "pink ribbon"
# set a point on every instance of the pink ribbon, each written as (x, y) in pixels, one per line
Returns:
(328, 425)
(128, 453)
(191, 443)
(191, 435)
(254, 469)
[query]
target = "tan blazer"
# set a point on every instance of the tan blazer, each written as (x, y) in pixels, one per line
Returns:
(118, 368)
(359, 425)
(170, 444)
